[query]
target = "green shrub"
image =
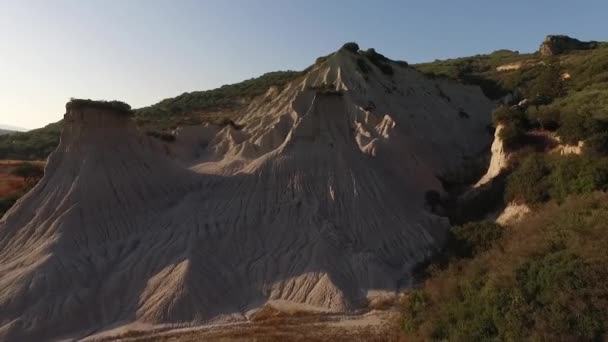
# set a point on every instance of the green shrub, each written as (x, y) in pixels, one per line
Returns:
(29, 172)
(574, 174)
(512, 136)
(576, 127)
(379, 61)
(541, 280)
(351, 46)
(528, 183)
(515, 125)
(505, 115)
(558, 287)
(116, 106)
(538, 178)
(413, 310)
(545, 118)
(473, 238)
(597, 145)
(549, 84)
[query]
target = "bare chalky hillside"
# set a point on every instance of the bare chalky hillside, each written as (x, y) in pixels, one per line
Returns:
(315, 195)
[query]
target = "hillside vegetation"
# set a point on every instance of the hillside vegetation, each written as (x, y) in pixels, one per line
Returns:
(569, 91)
(545, 277)
(36, 144)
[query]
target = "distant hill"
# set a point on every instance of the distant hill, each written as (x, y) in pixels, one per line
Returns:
(12, 128)
(6, 129)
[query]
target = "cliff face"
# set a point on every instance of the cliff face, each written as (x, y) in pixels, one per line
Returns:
(319, 199)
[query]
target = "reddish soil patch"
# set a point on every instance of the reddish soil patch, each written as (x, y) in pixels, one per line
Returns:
(11, 185)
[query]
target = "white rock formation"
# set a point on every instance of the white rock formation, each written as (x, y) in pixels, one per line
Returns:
(499, 160)
(565, 149)
(509, 67)
(512, 214)
(318, 200)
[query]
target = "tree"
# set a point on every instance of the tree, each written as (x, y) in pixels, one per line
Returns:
(546, 118)
(597, 145)
(548, 85)
(29, 172)
(351, 46)
(506, 115)
(528, 183)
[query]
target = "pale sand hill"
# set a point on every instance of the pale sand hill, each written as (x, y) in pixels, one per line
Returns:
(319, 200)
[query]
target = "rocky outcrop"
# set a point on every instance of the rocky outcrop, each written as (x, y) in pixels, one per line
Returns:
(512, 214)
(499, 160)
(565, 149)
(558, 44)
(510, 66)
(317, 199)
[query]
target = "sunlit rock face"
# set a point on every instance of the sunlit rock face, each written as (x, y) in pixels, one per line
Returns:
(315, 196)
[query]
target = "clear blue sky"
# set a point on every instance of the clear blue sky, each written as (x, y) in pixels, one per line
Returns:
(143, 51)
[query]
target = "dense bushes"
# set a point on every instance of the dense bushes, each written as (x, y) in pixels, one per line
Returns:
(379, 61)
(541, 280)
(351, 46)
(597, 145)
(29, 172)
(529, 183)
(515, 124)
(481, 70)
(568, 94)
(116, 106)
(540, 178)
(548, 85)
(544, 118)
(473, 238)
(576, 127)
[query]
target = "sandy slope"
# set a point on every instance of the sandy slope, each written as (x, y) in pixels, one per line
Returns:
(318, 200)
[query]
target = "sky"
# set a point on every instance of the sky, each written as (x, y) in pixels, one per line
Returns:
(142, 51)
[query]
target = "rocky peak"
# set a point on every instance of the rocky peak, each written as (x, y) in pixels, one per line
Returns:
(93, 122)
(558, 44)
